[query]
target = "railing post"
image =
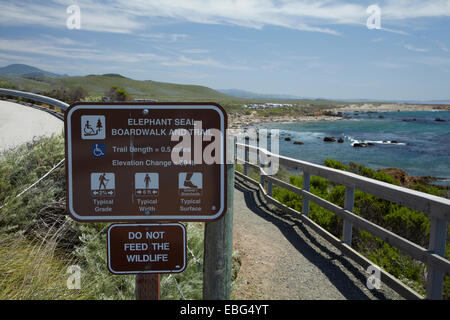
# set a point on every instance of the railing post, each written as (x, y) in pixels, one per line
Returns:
(305, 201)
(246, 159)
(261, 179)
(438, 238)
(269, 188)
(349, 205)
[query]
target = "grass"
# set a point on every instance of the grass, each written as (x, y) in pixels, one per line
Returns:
(35, 270)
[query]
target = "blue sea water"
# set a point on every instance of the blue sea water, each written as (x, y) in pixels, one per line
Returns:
(422, 146)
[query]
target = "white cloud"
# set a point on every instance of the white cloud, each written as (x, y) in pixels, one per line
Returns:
(128, 16)
(413, 48)
(442, 46)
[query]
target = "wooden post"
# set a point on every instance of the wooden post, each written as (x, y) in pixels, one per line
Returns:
(349, 205)
(305, 201)
(147, 286)
(438, 238)
(218, 250)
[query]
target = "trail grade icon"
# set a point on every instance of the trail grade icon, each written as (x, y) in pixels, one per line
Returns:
(102, 184)
(93, 127)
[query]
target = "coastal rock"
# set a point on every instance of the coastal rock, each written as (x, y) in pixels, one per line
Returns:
(439, 120)
(298, 142)
(287, 139)
(329, 139)
(360, 145)
(340, 140)
(404, 179)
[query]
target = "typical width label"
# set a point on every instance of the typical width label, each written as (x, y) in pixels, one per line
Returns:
(142, 162)
(146, 248)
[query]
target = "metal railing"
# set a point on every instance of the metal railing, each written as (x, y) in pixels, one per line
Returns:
(437, 208)
(35, 97)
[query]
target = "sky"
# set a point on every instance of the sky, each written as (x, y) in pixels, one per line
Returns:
(319, 49)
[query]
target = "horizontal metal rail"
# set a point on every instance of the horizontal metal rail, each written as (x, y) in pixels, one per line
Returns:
(433, 205)
(436, 207)
(35, 97)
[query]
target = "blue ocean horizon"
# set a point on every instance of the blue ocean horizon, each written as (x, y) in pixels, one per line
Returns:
(409, 140)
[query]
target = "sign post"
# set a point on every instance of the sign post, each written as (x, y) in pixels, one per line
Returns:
(147, 287)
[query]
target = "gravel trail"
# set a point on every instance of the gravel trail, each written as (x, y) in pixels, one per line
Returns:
(284, 259)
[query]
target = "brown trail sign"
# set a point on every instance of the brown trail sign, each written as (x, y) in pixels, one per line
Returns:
(138, 162)
(146, 248)
(146, 162)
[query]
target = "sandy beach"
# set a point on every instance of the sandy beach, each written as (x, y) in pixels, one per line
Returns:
(20, 124)
(389, 107)
(237, 120)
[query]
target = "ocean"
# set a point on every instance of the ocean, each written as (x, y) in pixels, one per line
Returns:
(409, 140)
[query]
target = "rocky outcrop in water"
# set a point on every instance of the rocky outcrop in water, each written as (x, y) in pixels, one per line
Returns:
(404, 179)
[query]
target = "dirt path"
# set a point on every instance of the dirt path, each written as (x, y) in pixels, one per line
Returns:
(283, 259)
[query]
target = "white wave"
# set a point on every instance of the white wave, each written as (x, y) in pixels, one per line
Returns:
(355, 141)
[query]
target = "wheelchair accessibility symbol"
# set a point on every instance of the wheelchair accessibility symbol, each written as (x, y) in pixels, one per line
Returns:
(93, 127)
(98, 150)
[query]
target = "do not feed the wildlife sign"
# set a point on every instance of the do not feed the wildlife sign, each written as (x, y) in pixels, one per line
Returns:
(146, 248)
(145, 161)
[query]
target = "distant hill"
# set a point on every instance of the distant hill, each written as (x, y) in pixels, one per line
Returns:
(28, 71)
(97, 85)
(252, 95)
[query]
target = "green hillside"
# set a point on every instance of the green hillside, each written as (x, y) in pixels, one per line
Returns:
(97, 85)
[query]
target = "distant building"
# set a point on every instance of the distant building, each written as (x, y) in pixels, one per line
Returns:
(267, 105)
(144, 100)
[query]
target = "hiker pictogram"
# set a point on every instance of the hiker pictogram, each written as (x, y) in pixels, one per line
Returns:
(102, 184)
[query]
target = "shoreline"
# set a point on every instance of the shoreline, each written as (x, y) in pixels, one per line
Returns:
(242, 121)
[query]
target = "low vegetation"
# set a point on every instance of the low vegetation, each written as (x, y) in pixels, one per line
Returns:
(410, 224)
